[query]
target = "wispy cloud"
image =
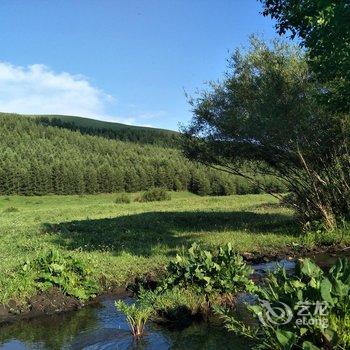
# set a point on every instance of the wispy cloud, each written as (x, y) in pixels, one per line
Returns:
(143, 118)
(37, 89)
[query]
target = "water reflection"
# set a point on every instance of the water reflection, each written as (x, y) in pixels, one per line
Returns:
(102, 327)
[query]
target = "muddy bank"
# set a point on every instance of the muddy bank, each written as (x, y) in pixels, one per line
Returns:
(292, 253)
(50, 302)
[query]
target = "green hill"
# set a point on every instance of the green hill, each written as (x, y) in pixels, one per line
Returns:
(116, 131)
(37, 159)
(99, 124)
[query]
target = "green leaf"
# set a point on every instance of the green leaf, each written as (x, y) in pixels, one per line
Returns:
(178, 258)
(329, 334)
(207, 279)
(303, 330)
(300, 295)
(313, 283)
(216, 266)
(340, 289)
(256, 309)
(285, 338)
(208, 255)
(192, 249)
(298, 284)
(309, 346)
(310, 269)
(326, 288)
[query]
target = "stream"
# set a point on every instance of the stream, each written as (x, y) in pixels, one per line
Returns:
(101, 326)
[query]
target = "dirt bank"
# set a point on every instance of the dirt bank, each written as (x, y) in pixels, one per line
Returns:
(49, 302)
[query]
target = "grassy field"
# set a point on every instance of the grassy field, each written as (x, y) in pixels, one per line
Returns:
(120, 241)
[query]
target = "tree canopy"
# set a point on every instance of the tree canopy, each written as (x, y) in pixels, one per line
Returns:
(323, 26)
(265, 111)
(39, 159)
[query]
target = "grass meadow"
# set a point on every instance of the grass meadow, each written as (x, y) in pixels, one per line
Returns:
(122, 240)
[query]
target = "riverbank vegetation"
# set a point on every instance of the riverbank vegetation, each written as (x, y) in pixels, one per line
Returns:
(315, 306)
(53, 269)
(120, 241)
(308, 309)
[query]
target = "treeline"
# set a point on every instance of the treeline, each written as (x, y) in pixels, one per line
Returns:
(164, 138)
(38, 159)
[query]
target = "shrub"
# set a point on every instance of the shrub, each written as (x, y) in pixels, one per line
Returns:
(199, 184)
(70, 275)
(122, 198)
(154, 195)
(309, 286)
(243, 186)
(221, 186)
(136, 314)
(205, 271)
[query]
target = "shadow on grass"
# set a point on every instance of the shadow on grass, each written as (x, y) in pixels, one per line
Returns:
(141, 233)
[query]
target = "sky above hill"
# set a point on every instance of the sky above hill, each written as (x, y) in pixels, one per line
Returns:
(125, 61)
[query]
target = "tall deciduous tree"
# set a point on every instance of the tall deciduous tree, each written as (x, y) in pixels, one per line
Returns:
(265, 112)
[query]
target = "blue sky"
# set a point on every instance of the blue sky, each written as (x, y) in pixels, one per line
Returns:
(127, 61)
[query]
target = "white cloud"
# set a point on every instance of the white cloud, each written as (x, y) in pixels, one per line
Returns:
(142, 118)
(36, 89)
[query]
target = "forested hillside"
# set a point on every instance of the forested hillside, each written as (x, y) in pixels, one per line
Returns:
(40, 159)
(114, 131)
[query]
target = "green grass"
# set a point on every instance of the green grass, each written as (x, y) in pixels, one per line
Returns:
(119, 241)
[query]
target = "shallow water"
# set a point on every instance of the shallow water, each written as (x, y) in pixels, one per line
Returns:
(264, 268)
(322, 259)
(102, 327)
